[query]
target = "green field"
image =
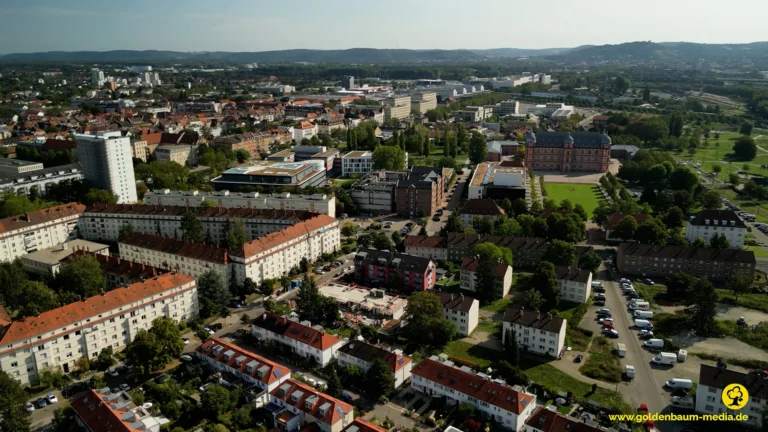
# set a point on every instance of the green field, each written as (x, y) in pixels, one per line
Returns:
(760, 252)
(587, 195)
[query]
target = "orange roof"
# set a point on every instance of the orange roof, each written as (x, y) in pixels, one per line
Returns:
(277, 238)
(176, 247)
(122, 268)
(470, 265)
(305, 125)
(100, 413)
(243, 361)
(334, 409)
(38, 217)
(78, 311)
(152, 138)
(5, 319)
(364, 426)
(296, 331)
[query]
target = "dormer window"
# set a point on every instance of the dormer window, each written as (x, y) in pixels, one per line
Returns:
(706, 221)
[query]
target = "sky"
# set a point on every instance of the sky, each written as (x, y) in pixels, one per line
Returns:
(264, 25)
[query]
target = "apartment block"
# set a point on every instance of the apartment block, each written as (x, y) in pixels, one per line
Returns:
(397, 107)
(374, 267)
(461, 310)
(302, 338)
(508, 406)
(709, 223)
(361, 354)
(316, 203)
(252, 142)
(654, 260)
(48, 261)
(24, 183)
(433, 248)
(534, 331)
(712, 382)
(469, 277)
(356, 162)
(421, 191)
(184, 155)
(506, 107)
(528, 250)
(297, 406)
(40, 229)
(120, 272)
(18, 166)
(59, 337)
(476, 208)
(107, 163)
(574, 284)
(422, 102)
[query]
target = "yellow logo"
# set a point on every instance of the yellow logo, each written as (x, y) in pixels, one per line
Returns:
(735, 396)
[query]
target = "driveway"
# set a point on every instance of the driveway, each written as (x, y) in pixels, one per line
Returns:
(41, 418)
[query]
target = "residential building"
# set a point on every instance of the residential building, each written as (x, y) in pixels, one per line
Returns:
(316, 203)
(499, 180)
(498, 150)
(374, 267)
(183, 155)
(575, 285)
(23, 184)
(14, 167)
(356, 162)
(252, 142)
(422, 102)
(615, 219)
(458, 246)
(476, 208)
(119, 272)
(361, 354)
(540, 333)
(712, 382)
(547, 419)
(709, 223)
(326, 126)
(397, 107)
(421, 191)
(102, 410)
(140, 150)
(302, 338)
(566, 151)
(304, 130)
(197, 106)
(654, 260)
(361, 425)
(297, 406)
(258, 375)
(472, 114)
(469, 277)
(107, 163)
(59, 337)
(374, 306)
(269, 174)
(194, 259)
(48, 261)
(463, 311)
(438, 377)
(506, 107)
(375, 192)
(426, 247)
(40, 229)
(329, 157)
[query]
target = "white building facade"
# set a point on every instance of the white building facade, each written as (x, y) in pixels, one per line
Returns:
(107, 163)
(317, 203)
(40, 229)
(574, 284)
(303, 339)
(461, 310)
(362, 354)
(709, 223)
(535, 332)
(356, 162)
(709, 393)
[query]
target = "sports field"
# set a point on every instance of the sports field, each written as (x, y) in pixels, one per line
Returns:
(586, 195)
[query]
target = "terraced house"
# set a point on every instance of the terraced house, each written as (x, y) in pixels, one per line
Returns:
(654, 260)
(361, 354)
(297, 406)
(301, 338)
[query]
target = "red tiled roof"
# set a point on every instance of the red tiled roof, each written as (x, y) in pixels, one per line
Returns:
(470, 264)
(550, 421)
(40, 216)
(5, 319)
(120, 267)
(176, 247)
(91, 307)
(277, 238)
(364, 426)
(483, 207)
(245, 358)
(305, 125)
(617, 217)
(425, 242)
(334, 413)
(474, 386)
(296, 331)
(369, 352)
(100, 414)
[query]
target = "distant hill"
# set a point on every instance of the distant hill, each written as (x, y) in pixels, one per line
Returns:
(756, 52)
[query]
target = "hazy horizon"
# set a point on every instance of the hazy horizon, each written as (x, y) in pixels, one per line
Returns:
(253, 26)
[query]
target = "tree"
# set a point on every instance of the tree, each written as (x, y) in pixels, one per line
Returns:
(483, 225)
(533, 299)
(739, 284)
(462, 137)
(674, 218)
(267, 287)
(590, 261)
(153, 349)
(579, 210)
(390, 158)
(560, 253)
(625, 229)
(215, 401)
(478, 149)
(545, 280)
(425, 324)
(236, 234)
(348, 229)
(734, 179)
(379, 379)
(447, 162)
(454, 224)
(39, 299)
(13, 414)
(679, 285)
(105, 359)
(212, 293)
(519, 207)
(704, 307)
(650, 129)
(98, 196)
(125, 231)
(511, 348)
(309, 301)
(699, 243)
(334, 384)
(676, 124)
(242, 155)
(652, 231)
(719, 242)
(717, 169)
(489, 256)
(746, 128)
(82, 276)
(710, 200)
(427, 146)
(745, 148)
(646, 94)
(191, 228)
(622, 84)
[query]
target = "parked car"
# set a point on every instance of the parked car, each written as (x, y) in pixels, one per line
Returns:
(578, 358)
(436, 218)
(216, 326)
(125, 387)
(649, 282)
(210, 332)
(204, 387)
(235, 304)
(610, 332)
(51, 398)
(186, 358)
(319, 271)
(762, 373)
(113, 372)
(645, 334)
(29, 407)
(41, 403)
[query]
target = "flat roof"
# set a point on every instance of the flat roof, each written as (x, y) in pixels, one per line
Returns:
(349, 294)
(357, 154)
(282, 153)
(18, 162)
(55, 254)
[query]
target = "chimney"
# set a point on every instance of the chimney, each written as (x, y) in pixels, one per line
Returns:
(451, 296)
(118, 260)
(538, 315)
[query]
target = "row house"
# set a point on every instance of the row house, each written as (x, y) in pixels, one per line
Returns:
(433, 247)
(374, 267)
(658, 261)
(528, 250)
(297, 406)
(575, 284)
(361, 354)
(39, 229)
(302, 338)
(101, 410)
(438, 377)
(547, 419)
(258, 375)
(469, 277)
(535, 332)
(59, 337)
(463, 311)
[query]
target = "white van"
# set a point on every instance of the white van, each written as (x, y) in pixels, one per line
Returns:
(679, 383)
(643, 306)
(643, 314)
(656, 344)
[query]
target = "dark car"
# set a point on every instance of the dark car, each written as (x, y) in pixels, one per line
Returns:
(436, 218)
(41, 403)
(578, 358)
(599, 303)
(216, 326)
(235, 304)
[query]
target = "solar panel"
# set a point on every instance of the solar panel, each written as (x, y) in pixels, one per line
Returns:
(524, 402)
(401, 361)
(278, 373)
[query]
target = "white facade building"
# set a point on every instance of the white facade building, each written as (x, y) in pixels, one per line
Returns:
(317, 203)
(438, 377)
(303, 339)
(59, 337)
(709, 393)
(107, 163)
(24, 183)
(709, 223)
(356, 162)
(40, 229)
(49, 261)
(535, 332)
(469, 277)
(303, 405)
(574, 284)
(362, 354)
(507, 107)
(461, 310)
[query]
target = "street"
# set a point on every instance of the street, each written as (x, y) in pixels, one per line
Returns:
(454, 198)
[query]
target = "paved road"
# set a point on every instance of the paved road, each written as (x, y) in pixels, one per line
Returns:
(453, 202)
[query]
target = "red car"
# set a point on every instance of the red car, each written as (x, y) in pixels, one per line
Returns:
(607, 325)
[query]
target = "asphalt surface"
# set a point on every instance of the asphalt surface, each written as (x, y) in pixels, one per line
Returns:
(454, 198)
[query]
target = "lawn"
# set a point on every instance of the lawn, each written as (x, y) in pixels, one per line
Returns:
(760, 252)
(431, 160)
(490, 326)
(750, 301)
(587, 195)
(650, 293)
(498, 305)
(602, 364)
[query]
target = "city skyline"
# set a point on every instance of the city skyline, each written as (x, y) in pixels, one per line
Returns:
(239, 26)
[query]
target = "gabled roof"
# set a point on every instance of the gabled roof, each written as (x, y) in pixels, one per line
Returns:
(120, 267)
(243, 361)
(558, 139)
(549, 421)
(368, 353)
(361, 425)
(172, 246)
(299, 332)
(685, 252)
(334, 409)
(102, 412)
(273, 239)
(482, 207)
(425, 242)
(400, 261)
(38, 217)
(474, 386)
(572, 274)
(720, 378)
(457, 302)
(470, 265)
(532, 319)
(513, 243)
(722, 218)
